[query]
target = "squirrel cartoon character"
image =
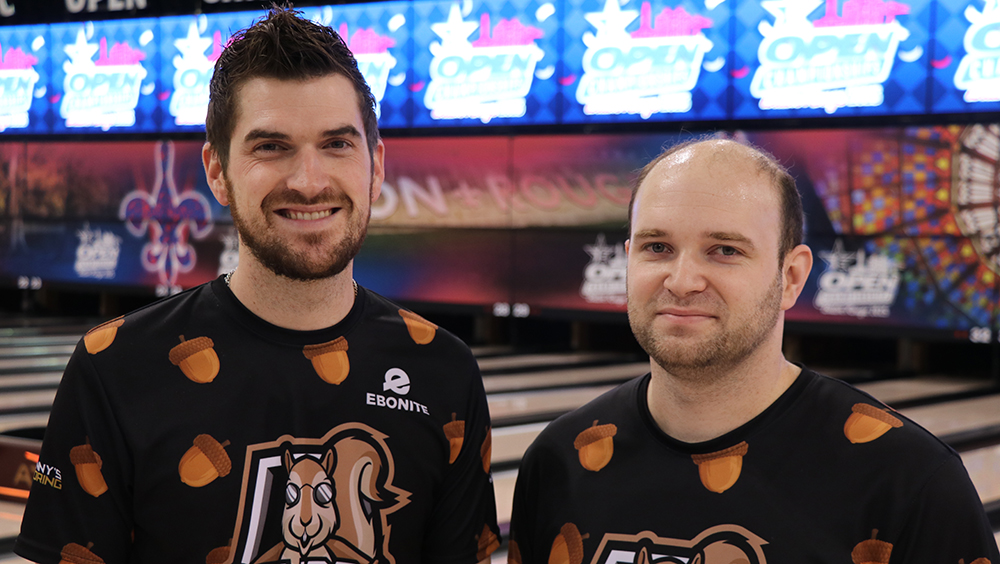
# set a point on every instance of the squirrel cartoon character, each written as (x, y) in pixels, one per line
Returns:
(331, 506)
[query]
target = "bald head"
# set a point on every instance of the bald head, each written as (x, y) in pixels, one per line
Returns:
(713, 154)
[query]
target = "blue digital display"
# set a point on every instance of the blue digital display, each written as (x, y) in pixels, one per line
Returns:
(436, 63)
(104, 76)
(645, 59)
(485, 62)
(24, 79)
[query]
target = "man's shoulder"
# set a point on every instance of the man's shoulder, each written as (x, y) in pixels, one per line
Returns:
(864, 419)
(421, 331)
(603, 414)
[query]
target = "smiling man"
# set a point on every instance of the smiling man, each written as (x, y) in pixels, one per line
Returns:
(281, 413)
(725, 452)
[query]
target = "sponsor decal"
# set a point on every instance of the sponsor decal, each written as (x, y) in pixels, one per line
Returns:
(604, 275)
(648, 71)
(978, 73)
(397, 382)
(839, 60)
(48, 475)
(97, 253)
(486, 78)
(856, 284)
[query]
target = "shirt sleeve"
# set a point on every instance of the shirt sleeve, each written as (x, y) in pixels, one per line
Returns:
(80, 501)
(947, 522)
(464, 528)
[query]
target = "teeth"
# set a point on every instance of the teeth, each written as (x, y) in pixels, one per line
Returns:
(308, 216)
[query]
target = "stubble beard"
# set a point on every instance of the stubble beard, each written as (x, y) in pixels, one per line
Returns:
(723, 350)
(281, 258)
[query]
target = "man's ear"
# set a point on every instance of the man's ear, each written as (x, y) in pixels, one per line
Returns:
(795, 272)
(378, 170)
(628, 245)
(214, 173)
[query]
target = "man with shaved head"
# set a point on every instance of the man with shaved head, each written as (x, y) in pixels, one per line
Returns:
(726, 452)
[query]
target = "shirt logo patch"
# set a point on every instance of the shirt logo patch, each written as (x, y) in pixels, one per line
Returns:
(398, 382)
(722, 543)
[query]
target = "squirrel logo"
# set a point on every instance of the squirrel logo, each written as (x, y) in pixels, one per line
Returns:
(336, 494)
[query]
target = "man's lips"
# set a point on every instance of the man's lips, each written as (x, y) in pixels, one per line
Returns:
(690, 314)
(306, 215)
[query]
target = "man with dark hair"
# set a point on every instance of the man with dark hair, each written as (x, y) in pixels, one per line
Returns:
(727, 453)
(280, 413)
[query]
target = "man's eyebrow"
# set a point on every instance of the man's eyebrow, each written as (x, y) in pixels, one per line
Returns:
(731, 237)
(650, 234)
(256, 134)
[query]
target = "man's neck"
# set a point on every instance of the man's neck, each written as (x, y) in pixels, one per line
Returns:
(293, 304)
(700, 407)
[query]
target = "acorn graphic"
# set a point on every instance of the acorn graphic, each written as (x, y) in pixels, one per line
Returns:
(720, 470)
(596, 445)
(868, 423)
(329, 360)
(568, 546)
(513, 553)
(487, 543)
(73, 553)
(421, 330)
(218, 555)
(101, 337)
(871, 551)
(87, 464)
(486, 451)
(455, 432)
(204, 462)
(196, 358)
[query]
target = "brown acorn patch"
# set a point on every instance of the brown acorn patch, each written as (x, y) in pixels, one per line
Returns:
(455, 433)
(720, 470)
(487, 543)
(567, 548)
(204, 462)
(421, 330)
(871, 551)
(196, 359)
(329, 360)
(218, 555)
(486, 451)
(868, 423)
(73, 553)
(595, 445)
(101, 337)
(87, 464)
(513, 553)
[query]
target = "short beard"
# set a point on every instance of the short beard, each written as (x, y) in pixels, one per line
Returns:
(278, 257)
(721, 351)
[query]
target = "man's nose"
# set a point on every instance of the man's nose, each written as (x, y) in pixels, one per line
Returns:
(685, 275)
(308, 175)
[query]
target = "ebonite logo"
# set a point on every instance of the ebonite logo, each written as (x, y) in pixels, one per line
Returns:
(192, 73)
(17, 85)
(486, 78)
(647, 71)
(855, 284)
(979, 72)
(397, 382)
(833, 62)
(105, 92)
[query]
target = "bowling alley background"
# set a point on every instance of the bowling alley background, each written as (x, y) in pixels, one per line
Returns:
(514, 129)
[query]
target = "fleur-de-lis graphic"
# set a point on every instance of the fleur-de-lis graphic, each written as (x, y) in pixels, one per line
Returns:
(169, 218)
